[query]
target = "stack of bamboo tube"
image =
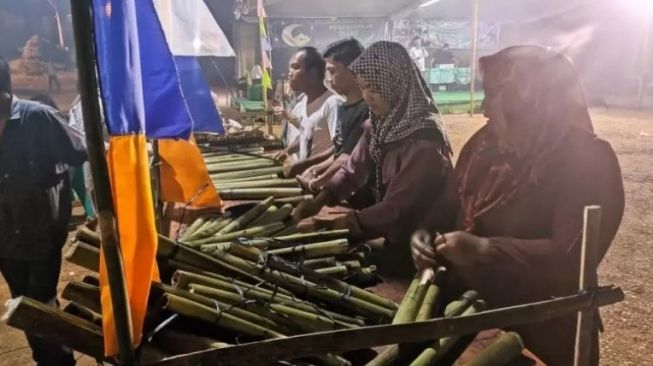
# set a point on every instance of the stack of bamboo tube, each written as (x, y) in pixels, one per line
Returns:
(214, 301)
(264, 230)
(251, 176)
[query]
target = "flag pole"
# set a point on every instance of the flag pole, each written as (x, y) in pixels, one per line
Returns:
(472, 85)
(86, 68)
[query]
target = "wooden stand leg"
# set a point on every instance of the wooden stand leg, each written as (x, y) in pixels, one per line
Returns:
(588, 280)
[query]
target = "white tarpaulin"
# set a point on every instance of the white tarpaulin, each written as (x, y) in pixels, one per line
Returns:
(191, 30)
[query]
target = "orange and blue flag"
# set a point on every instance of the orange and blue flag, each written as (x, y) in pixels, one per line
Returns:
(143, 98)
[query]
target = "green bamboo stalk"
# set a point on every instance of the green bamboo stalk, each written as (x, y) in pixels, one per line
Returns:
(315, 237)
(431, 297)
(367, 274)
(240, 166)
(258, 193)
(246, 179)
(216, 240)
(315, 250)
(227, 308)
(214, 227)
(290, 230)
(319, 262)
(251, 214)
(254, 254)
(280, 215)
(455, 308)
(184, 306)
(195, 226)
(272, 183)
(260, 218)
(247, 173)
(182, 279)
(335, 271)
(306, 321)
(438, 349)
(307, 288)
(294, 199)
(500, 353)
(234, 161)
(412, 300)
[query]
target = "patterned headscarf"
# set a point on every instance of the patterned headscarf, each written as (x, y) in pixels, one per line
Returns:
(543, 103)
(389, 70)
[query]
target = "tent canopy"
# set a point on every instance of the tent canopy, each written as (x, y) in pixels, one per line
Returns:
(490, 10)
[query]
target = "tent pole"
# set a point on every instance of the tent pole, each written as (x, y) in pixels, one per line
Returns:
(86, 68)
(472, 84)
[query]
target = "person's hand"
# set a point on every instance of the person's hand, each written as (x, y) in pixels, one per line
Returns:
(462, 248)
(306, 209)
(281, 156)
(290, 170)
(306, 179)
(422, 250)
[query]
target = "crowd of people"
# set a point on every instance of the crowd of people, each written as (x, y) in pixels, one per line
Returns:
(364, 132)
(506, 219)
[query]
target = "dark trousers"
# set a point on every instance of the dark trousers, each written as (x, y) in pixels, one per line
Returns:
(38, 280)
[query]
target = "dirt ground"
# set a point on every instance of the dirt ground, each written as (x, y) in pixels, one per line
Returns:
(628, 339)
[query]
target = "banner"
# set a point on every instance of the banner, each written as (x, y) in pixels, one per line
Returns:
(437, 32)
(321, 32)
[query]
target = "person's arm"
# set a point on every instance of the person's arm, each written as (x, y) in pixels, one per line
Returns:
(554, 259)
(300, 166)
(347, 180)
(65, 143)
(422, 165)
(329, 172)
(285, 153)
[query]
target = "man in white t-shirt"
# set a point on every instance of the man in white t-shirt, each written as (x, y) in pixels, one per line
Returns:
(418, 53)
(311, 124)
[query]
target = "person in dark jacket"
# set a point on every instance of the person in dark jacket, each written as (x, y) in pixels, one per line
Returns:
(36, 148)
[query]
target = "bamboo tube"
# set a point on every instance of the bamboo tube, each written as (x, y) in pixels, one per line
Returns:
(186, 307)
(210, 229)
(84, 255)
(315, 250)
(247, 173)
(83, 312)
(88, 237)
(270, 210)
(294, 199)
(298, 285)
(430, 298)
(258, 193)
(305, 321)
(219, 239)
(237, 162)
(252, 253)
(278, 215)
(240, 166)
(319, 263)
(367, 274)
(247, 179)
(500, 353)
(335, 271)
(212, 303)
(195, 310)
(315, 237)
(182, 279)
(248, 216)
(168, 249)
(272, 183)
(196, 225)
(456, 308)
(411, 302)
(83, 294)
(290, 230)
(431, 355)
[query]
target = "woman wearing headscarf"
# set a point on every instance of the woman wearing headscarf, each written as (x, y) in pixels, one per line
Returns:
(404, 149)
(517, 196)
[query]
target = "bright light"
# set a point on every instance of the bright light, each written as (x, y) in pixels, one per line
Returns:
(428, 3)
(639, 6)
(197, 43)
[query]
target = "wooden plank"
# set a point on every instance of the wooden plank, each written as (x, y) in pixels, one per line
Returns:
(55, 325)
(367, 337)
(587, 281)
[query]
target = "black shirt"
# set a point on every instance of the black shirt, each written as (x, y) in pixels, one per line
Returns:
(350, 126)
(36, 148)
